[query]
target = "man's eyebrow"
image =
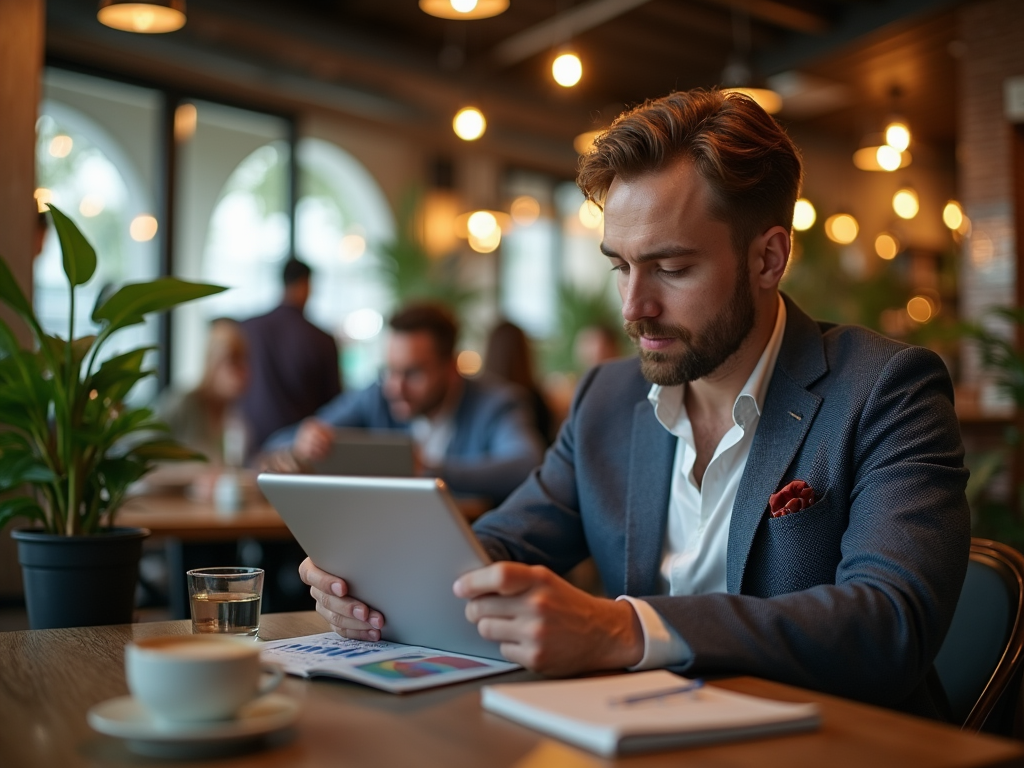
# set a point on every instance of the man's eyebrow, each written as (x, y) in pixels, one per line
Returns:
(667, 252)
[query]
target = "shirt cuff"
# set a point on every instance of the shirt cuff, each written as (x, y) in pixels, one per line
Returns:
(663, 647)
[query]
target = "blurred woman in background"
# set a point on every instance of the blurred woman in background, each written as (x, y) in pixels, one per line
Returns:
(510, 356)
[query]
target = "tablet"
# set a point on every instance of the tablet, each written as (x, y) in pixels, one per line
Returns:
(372, 452)
(399, 543)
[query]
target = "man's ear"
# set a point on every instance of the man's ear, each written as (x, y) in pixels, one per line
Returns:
(771, 254)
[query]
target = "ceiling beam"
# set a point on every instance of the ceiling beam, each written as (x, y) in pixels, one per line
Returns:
(781, 15)
(560, 28)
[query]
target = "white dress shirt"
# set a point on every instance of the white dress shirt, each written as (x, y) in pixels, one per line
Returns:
(697, 534)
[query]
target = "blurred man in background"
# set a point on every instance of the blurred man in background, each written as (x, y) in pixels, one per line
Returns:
(475, 434)
(294, 364)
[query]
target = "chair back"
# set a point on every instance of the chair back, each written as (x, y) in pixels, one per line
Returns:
(980, 659)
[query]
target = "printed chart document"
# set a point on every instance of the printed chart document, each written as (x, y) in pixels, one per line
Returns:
(391, 667)
(642, 712)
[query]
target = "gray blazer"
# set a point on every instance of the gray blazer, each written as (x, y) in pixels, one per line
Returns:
(852, 596)
(493, 447)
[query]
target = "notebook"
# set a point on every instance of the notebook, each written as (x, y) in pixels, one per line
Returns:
(368, 452)
(643, 712)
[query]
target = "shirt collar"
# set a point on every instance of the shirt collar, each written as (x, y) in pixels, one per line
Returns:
(668, 401)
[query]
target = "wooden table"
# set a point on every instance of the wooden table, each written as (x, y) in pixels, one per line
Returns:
(175, 516)
(50, 678)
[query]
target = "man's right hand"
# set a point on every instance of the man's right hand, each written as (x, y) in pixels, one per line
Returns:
(312, 441)
(346, 615)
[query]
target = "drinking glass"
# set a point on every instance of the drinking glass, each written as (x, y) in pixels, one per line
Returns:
(225, 600)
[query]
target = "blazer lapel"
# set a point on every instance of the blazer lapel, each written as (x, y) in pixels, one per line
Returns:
(789, 410)
(650, 477)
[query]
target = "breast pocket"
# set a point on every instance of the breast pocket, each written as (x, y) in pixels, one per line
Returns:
(796, 551)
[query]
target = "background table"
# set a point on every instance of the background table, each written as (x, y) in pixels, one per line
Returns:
(50, 678)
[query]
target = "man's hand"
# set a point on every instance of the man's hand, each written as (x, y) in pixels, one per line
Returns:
(312, 441)
(346, 615)
(548, 625)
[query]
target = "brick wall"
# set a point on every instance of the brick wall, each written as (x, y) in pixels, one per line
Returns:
(992, 43)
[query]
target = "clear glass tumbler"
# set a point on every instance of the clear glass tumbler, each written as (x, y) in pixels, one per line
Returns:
(225, 600)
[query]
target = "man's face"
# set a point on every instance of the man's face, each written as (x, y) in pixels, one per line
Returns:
(417, 378)
(687, 299)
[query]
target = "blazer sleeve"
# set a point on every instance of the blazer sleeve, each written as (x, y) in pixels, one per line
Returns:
(874, 633)
(540, 522)
(513, 448)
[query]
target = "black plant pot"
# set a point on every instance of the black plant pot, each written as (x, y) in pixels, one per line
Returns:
(78, 581)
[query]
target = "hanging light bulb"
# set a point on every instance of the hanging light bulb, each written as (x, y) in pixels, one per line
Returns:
(464, 9)
(804, 215)
(469, 124)
(888, 158)
(567, 69)
(841, 228)
(953, 215)
(905, 203)
(887, 246)
(149, 17)
(897, 135)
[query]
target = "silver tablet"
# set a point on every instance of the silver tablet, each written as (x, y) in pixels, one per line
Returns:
(399, 543)
(369, 452)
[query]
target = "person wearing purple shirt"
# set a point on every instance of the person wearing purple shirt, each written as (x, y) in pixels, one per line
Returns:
(294, 364)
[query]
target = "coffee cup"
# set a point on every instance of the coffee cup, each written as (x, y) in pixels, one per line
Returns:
(188, 679)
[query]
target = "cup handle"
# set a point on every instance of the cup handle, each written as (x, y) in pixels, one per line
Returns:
(273, 675)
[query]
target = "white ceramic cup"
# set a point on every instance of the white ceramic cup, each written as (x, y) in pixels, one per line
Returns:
(194, 678)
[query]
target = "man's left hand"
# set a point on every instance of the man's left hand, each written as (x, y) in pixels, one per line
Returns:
(547, 625)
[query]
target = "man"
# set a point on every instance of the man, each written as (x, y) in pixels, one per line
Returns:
(670, 486)
(475, 434)
(294, 364)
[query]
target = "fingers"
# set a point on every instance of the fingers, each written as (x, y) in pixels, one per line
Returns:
(500, 579)
(313, 440)
(494, 606)
(325, 582)
(346, 613)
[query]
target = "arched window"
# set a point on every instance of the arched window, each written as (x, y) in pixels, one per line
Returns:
(342, 218)
(82, 169)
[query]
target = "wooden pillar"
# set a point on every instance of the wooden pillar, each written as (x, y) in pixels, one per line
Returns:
(22, 24)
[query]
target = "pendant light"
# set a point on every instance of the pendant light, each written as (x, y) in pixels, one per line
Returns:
(149, 17)
(464, 9)
(738, 77)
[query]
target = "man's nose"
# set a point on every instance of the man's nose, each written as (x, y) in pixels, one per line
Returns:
(638, 301)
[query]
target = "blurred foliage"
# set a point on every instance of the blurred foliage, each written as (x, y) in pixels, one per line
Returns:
(410, 272)
(826, 290)
(579, 308)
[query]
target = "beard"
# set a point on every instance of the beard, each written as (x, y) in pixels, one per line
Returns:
(704, 351)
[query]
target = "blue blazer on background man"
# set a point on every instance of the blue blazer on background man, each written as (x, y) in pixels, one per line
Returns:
(494, 444)
(853, 595)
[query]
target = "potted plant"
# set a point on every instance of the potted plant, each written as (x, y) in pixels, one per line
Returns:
(70, 446)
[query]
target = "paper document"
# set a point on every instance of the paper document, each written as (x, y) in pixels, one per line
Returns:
(391, 667)
(644, 711)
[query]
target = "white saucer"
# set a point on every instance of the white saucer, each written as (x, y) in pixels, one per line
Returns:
(126, 718)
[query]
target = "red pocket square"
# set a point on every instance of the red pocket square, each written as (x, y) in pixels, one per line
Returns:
(794, 497)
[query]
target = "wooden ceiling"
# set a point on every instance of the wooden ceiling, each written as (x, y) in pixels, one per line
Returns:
(386, 62)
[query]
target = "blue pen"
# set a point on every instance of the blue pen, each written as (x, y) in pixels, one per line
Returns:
(691, 686)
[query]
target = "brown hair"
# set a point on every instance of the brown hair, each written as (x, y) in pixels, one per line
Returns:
(509, 355)
(434, 319)
(752, 167)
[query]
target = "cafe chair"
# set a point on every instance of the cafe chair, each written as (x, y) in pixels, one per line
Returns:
(980, 662)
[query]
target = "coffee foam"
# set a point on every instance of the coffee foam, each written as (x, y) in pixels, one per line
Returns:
(198, 648)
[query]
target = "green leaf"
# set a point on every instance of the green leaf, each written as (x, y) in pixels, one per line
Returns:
(17, 468)
(22, 506)
(12, 295)
(119, 374)
(79, 256)
(132, 302)
(164, 450)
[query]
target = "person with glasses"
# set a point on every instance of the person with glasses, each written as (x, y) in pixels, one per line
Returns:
(476, 434)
